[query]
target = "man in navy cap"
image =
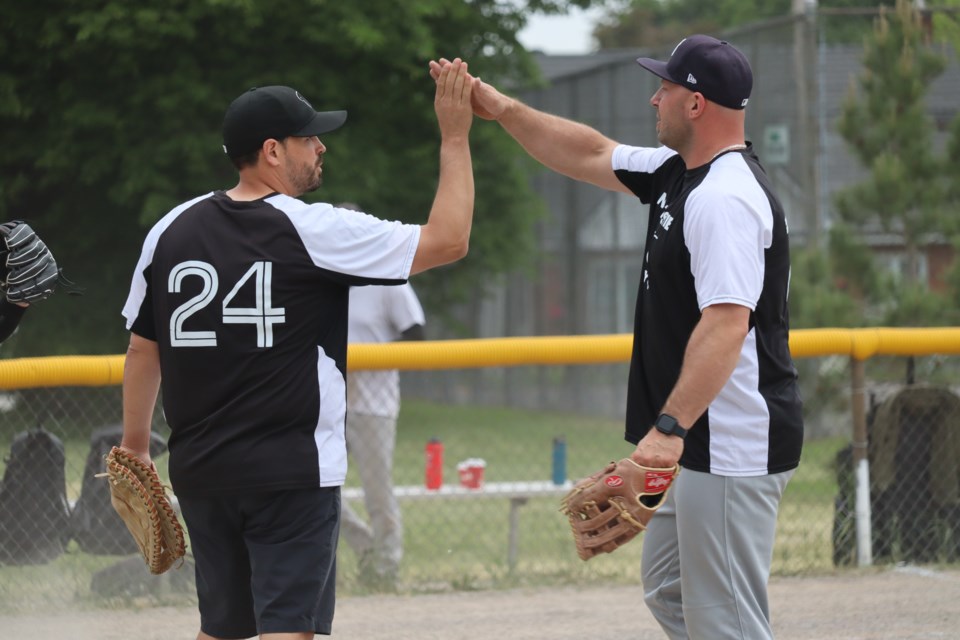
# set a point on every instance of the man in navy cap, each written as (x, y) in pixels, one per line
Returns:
(240, 301)
(712, 384)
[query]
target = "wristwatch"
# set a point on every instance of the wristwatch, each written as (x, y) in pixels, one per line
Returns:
(669, 425)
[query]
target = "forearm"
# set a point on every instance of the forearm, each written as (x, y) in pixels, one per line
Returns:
(453, 204)
(567, 147)
(141, 384)
(710, 358)
(446, 235)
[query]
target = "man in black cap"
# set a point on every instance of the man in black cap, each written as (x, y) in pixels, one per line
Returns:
(239, 302)
(712, 384)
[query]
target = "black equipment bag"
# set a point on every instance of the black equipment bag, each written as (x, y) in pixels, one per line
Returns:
(96, 526)
(34, 512)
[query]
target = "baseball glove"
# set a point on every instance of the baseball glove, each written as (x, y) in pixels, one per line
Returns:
(31, 271)
(140, 499)
(609, 508)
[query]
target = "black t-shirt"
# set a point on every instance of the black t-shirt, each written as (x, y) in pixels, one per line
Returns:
(716, 235)
(248, 303)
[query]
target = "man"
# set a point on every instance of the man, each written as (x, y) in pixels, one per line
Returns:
(28, 273)
(377, 314)
(239, 302)
(711, 353)
(10, 315)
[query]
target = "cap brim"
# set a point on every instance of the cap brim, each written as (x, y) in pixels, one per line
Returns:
(655, 67)
(323, 122)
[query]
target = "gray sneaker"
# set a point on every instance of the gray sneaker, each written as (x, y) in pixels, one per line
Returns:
(372, 578)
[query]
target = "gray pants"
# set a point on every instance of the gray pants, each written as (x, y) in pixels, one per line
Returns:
(723, 528)
(370, 442)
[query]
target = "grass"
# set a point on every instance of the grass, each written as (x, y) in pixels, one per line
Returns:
(516, 444)
(450, 541)
(805, 522)
(461, 545)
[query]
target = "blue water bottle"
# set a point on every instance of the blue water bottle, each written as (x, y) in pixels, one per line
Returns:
(559, 460)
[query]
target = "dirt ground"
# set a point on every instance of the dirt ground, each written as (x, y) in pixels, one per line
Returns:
(903, 603)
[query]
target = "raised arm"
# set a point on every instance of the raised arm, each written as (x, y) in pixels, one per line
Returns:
(567, 147)
(445, 237)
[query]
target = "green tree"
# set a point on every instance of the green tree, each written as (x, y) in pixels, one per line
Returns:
(815, 300)
(946, 25)
(887, 126)
(110, 113)
(651, 23)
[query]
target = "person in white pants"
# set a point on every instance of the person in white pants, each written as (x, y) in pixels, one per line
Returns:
(377, 314)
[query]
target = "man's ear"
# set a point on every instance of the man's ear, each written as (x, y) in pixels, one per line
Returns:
(272, 150)
(697, 104)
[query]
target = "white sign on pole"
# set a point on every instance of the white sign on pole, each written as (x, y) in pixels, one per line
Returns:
(776, 144)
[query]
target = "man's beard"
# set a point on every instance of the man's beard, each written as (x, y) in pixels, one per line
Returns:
(308, 181)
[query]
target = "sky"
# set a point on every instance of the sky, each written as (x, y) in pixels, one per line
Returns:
(567, 34)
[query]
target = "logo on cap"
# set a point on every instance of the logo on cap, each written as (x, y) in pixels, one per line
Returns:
(691, 79)
(302, 99)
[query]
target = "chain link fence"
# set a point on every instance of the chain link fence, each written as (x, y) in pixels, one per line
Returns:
(913, 449)
(62, 545)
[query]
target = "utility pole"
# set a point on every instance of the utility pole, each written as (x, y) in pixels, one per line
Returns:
(806, 71)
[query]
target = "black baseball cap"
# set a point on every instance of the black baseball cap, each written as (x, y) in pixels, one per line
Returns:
(709, 66)
(273, 112)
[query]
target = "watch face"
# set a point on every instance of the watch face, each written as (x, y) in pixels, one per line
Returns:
(669, 425)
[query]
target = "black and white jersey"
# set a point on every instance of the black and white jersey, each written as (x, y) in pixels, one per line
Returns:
(716, 234)
(248, 303)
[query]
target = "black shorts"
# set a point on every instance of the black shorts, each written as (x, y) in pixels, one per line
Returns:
(266, 562)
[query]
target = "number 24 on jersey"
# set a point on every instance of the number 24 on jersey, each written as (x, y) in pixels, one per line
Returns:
(262, 315)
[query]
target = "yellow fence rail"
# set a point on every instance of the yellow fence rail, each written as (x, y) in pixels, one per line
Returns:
(860, 344)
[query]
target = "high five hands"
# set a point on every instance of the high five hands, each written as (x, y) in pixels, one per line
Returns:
(487, 102)
(452, 101)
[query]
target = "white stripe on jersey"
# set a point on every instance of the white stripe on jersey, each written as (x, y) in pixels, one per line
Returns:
(740, 419)
(347, 241)
(329, 434)
(138, 286)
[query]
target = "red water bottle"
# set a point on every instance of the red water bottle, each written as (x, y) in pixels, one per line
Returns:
(434, 458)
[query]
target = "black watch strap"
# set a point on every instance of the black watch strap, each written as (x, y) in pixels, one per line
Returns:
(668, 424)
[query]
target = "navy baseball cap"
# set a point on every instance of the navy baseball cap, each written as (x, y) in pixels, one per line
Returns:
(273, 112)
(709, 66)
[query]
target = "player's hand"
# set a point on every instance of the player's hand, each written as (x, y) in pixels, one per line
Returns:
(143, 455)
(658, 450)
(487, 102)
(452, 101)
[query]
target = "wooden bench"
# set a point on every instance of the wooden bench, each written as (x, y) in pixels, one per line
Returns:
(518, 493)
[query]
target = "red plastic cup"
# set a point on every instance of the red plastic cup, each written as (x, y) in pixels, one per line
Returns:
(471, 473)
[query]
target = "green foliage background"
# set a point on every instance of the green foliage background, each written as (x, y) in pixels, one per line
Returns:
(651, 23)
(111, 112)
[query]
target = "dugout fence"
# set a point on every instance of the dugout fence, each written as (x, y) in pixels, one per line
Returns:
(879, 481)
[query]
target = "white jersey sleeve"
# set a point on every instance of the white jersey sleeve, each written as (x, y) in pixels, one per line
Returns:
(352, 242)
(727, 231)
